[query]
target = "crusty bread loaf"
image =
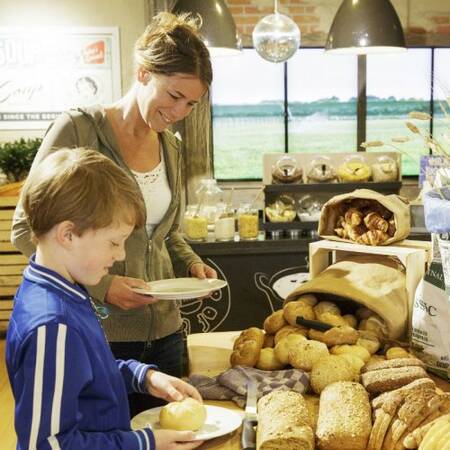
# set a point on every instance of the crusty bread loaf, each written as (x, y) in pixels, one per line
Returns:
(392, 364)
(284, 422)
(344, 417)
(382, 380)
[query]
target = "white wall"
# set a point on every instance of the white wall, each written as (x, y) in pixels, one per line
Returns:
(128, 15)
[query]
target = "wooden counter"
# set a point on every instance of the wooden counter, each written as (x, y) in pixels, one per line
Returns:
(209, 355)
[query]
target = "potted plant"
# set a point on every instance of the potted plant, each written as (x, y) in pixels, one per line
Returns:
(15, 162)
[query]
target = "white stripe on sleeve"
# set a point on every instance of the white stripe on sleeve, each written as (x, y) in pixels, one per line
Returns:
(37, 390)
(59, 383)
(54, 444)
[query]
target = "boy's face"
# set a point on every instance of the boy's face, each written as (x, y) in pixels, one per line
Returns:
(95, 251)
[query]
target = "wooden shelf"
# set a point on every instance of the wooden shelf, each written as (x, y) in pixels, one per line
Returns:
(392, 187)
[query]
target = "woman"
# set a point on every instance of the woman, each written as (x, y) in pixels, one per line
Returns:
(173, 72)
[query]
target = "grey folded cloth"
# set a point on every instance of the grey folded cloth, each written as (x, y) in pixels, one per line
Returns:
(232, 384)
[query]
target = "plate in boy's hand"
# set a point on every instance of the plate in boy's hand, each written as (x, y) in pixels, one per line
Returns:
(181, 288)
(219, 421)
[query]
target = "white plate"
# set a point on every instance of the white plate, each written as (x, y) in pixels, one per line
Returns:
(219, 421)
(181, 288)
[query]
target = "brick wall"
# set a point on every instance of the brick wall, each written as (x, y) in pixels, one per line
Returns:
(425, 23)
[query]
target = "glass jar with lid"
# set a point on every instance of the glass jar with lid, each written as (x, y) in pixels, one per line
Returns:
(282, 209)
(208, 196)
(224, 227)
(354, 169)
(385, 169)
(321, 170)
(286, 170)
(248, 222)
(309, 208)
(195, 225)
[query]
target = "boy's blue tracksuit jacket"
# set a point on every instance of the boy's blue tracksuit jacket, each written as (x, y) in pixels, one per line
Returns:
(69, 390)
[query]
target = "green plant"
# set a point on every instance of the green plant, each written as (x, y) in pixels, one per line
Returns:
(16, 157)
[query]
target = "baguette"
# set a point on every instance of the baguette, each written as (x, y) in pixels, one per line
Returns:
(344, 421)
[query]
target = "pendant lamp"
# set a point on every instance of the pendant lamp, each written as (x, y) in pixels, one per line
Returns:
(365, 26)
(276, 37)
(218, 28)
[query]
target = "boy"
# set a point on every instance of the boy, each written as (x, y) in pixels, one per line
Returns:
(69, 390)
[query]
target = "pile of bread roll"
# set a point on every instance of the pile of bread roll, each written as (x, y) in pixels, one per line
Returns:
(359, 399)
(364, 222)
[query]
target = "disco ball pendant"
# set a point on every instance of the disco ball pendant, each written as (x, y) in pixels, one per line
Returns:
(276, 37)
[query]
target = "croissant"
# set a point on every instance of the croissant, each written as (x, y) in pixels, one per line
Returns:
(374, 221)
(354, 232)
(353, 216)
(391, 227)
(372, 237)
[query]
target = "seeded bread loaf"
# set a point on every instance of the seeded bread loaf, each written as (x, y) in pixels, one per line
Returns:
(344, 417)
(284, 422)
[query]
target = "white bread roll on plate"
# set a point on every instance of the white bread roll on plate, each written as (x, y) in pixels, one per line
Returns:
(344, 421)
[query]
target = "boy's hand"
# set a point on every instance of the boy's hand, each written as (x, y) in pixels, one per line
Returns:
(120, 293)
(175, 440)
(169, 388)
(202, 271)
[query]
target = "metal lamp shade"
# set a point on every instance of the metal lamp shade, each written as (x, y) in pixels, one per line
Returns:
(218, 28)
(365, 26)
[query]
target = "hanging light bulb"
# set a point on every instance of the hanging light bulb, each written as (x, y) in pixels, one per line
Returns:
(276, 37)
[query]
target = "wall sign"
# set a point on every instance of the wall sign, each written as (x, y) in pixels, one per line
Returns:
(45, 72)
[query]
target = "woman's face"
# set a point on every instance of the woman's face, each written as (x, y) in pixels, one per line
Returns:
(163, 100)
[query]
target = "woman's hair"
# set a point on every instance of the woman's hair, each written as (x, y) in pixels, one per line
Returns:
(82, 186)
(172, 44)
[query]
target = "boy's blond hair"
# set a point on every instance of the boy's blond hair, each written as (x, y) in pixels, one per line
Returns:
(81, 186)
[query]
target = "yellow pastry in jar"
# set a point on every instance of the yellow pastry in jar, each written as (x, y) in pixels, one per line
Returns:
(248, 226)
(196, 228)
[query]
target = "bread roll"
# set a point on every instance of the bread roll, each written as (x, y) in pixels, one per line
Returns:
(351, 320)
(268, 360)
(369, 341)
(287, 330)
(397, 352)
(361, 352)
(344, 417)
(330, 369)
(284, 422)
(340, 335)
(285, 345)
(186, 415)
(309, 299)
(292, 310)
(326, 307)
(333, 319)
(274, 322)
(252, 333)
(306, 353)
(245, 354)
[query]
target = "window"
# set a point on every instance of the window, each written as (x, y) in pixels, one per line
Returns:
(248, 114)
(441, 95)
(321, 93)
(309, 104)
(398, 83)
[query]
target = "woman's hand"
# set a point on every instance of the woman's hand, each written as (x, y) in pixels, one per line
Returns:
(169, 388)
(175, 440)
(202, 271)
(120, 293)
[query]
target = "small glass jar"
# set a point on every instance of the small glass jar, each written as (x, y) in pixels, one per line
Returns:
(225, 224)
(309, 209)
(321, 170)
(195, 224)
(282, 209)
(209, 196)
(385, 169)
(248, 222)
(354, 169)
(286, 171)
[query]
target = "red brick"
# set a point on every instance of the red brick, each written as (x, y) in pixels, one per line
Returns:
(235, 10)
(243, 20)
(297, 10)
(305, 19)
(310, 9)
(238, 2)
(441, 20)
(443, 29)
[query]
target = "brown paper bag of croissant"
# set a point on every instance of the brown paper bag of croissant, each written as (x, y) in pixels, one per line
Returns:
(370, 208)
(374, 281)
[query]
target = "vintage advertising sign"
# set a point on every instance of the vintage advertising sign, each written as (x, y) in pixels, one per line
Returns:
(44, 72)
